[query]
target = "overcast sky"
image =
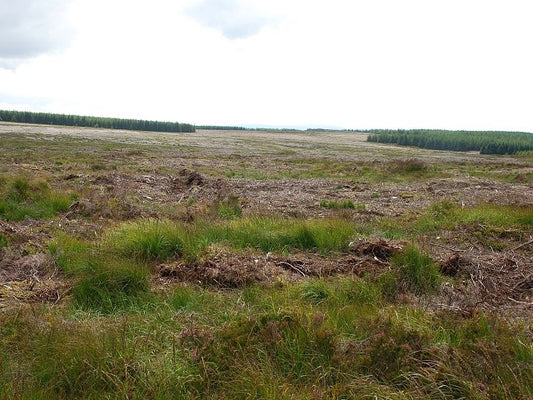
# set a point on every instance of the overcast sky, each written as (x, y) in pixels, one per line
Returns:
(454, 64)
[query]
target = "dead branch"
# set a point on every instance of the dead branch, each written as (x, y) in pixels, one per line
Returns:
(522, 245)
(294, 268)
(520, 302)
(448, 248)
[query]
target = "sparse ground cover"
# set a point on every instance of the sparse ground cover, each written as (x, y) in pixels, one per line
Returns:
(282, 265)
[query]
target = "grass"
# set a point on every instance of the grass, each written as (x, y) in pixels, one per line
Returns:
(448, 215)
(187, 298)
(497, 215)
(22, 198)
(416, 272)
(315, 292)
(114, 269)
(227, 208)
(120, 332)
(274, 234)
(341, 204)
(155, 240)
(70, 254)
(104, 281)
(113, 272)
(401, 170)
(360, 292)
(111, 285)
(322, 337)
(146, 240)
(3, 241)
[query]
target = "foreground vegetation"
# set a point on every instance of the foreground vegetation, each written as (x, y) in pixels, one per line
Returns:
(147, 271)
(329, 339)
(344, 337)
(484, 142)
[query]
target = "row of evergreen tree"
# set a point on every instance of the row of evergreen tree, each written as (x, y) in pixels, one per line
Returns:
(220, 128)
(486, 142)
(93, 122)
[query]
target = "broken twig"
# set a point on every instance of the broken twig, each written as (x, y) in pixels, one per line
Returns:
(522, 245)
(286, 264)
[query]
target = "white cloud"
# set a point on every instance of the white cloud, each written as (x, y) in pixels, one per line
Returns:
(29, 28)
(355, 64)
(235, 19)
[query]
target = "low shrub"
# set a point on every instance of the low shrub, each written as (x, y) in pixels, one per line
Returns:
(410, 166)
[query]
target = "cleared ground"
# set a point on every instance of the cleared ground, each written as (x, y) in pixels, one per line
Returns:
(126, 175)
(472, 215)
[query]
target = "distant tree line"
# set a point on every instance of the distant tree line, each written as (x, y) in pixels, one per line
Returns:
(220, 128)
(486, 142)
(93, 122)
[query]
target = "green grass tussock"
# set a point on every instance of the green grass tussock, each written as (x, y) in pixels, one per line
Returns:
(103, 281)
(154, 240)
(187, 298)
(337, 204)
(274, 234)
(22, 198)
(70, 254)
(447, 215)
(358, 291)
(146, 240)
(227, 208)
(497, 215)
(442, 215)
(111, 285)
(315, 292)
(416, 272)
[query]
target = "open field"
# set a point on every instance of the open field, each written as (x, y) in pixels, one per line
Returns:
(250, 264)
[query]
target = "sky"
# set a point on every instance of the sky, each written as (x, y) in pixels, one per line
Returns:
(352, 64)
